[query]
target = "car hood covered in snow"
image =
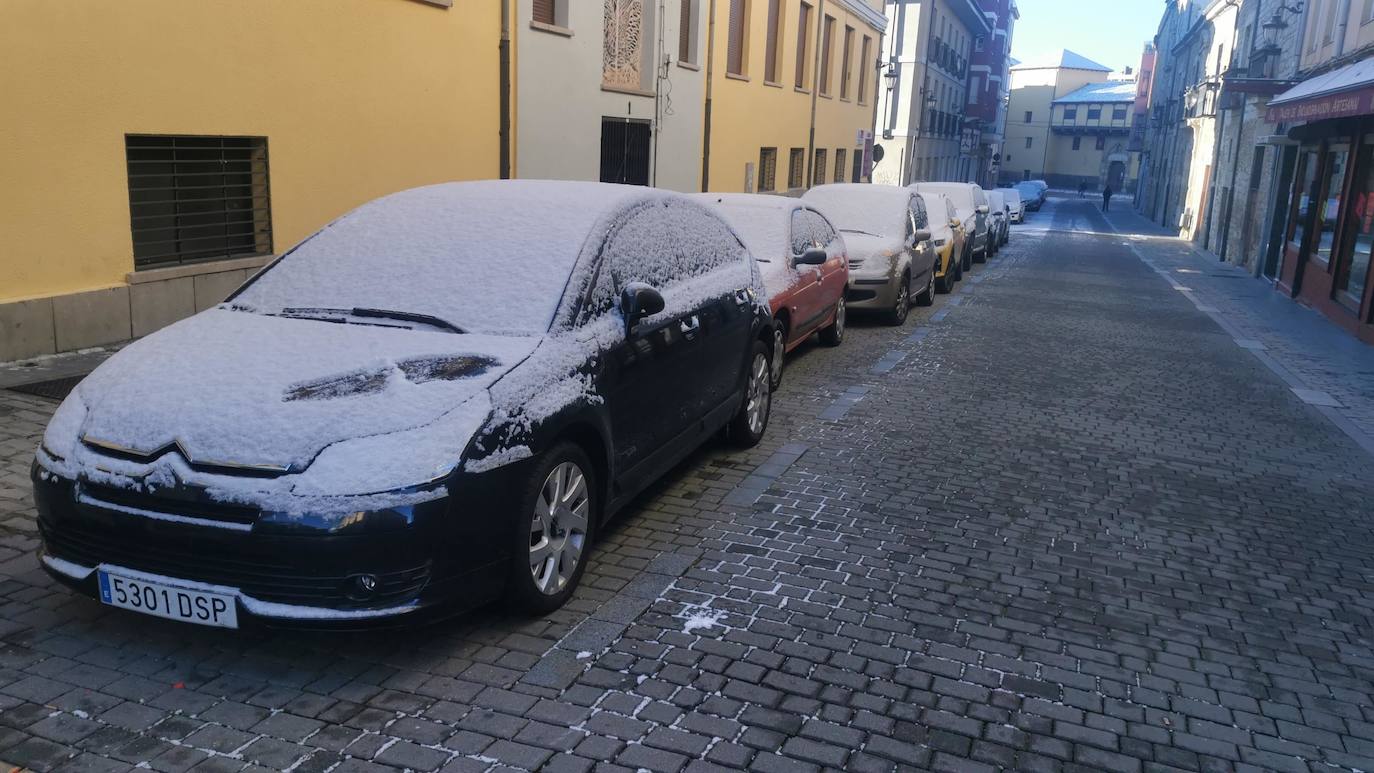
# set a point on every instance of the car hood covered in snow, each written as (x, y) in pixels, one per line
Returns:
(234, 390)
(862, 245)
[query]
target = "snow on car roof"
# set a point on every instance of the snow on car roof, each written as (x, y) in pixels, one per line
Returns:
(762, 222)
(868, 207)
(490, 256)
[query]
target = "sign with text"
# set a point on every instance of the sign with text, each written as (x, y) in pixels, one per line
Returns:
(1341, 105)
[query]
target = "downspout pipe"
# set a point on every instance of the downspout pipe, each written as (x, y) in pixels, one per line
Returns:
(710, 80)
(504, 130)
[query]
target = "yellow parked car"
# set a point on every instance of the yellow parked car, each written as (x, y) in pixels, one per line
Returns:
(948, 237)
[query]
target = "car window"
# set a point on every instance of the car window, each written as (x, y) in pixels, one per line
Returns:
(949, 205)
(918, 213)
(666, 244)
(810, 229)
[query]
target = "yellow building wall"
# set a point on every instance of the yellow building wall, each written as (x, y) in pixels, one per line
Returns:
(749, 114)
(357, 98)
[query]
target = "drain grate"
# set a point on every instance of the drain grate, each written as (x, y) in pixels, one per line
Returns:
(53, 389)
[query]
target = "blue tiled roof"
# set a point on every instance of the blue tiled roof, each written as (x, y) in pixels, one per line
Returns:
(1111, 91)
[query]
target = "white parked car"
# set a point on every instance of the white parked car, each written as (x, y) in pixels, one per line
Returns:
(1015, 205)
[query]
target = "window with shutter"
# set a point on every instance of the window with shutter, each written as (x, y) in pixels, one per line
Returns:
(803, 41)
(865, 52)
(735, 38)
(846, 64)
(796, 167)
(686, 31)
(827, 34)
(770, 53)
(544, 12)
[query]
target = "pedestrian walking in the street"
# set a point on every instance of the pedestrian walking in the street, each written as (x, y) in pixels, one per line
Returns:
(1106, 198)
(1082, 188)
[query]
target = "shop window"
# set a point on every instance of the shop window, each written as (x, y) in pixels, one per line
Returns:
(1333, 176)
(1305, 186)
(1352, 270)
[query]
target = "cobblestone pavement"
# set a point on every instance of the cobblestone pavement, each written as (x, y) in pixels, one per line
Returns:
(1059, 522)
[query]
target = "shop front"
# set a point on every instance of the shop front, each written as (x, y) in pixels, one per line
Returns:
(1329, 231)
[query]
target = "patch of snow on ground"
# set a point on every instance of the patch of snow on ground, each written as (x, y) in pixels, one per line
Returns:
(703, 618)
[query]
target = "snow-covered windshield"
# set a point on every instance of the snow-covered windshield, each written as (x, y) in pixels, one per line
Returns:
(486, 257)
(961, 195)
(879, 210)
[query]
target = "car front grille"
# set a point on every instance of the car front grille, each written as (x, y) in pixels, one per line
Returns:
(169, 503)
(91, 543)
(856, 262)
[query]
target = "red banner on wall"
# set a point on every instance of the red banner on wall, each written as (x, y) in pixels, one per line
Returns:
(1342, 105)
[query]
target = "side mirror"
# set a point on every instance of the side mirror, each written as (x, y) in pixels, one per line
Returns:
(812, 257)
(637, 301)
(921, 235)
(982, 209)
(956, 222)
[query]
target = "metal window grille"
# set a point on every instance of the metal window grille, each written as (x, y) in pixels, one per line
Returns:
(194, 199)
(768, 168)
(819, 173)
(796, 162)
(839, 164)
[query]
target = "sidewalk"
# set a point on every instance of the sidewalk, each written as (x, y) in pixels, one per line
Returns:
(1324, 365)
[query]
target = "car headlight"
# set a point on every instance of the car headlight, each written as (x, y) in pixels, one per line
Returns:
(396, 460)
(63, 435)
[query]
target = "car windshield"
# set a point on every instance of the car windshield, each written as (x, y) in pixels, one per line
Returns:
(432, 258)
(962, 196)
(877, 211)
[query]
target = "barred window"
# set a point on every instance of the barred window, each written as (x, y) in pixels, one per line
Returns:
(796, 163)
(818, 174)
(768, 169)
(194, 199)
(839, 164)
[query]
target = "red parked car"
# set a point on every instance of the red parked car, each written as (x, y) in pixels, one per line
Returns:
(804, 265)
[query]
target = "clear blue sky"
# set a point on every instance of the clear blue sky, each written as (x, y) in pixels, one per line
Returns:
(1110, 32)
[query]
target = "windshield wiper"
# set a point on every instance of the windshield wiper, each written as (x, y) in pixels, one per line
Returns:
(340, 316)
(857, 231)
(407, 316)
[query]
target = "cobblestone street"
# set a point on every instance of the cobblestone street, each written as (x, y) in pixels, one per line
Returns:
(1060, 521)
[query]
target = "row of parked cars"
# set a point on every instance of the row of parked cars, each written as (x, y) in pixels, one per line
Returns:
(439, 399)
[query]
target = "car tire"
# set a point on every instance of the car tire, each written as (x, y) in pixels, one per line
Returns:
(746, 429)
(775, 363)
(966, 264)
(561, 486)
(982, 257)
(927, 296)
(902, 306)
(958, 269)
(833, 335)
(946, 283)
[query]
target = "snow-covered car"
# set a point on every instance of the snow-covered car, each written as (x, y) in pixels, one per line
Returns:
(972, 205)
(434, 401)
(1015, 205)
(997, 211)
(887, 234)
(947, 237)
(803, 263)
(1031, 194)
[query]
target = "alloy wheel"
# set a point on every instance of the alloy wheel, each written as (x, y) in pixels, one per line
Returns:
(779, 348)
(756, 409)
(558, 529)
(839, 320)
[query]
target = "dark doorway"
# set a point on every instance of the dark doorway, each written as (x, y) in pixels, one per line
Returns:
(1115, 172)
(625, 151)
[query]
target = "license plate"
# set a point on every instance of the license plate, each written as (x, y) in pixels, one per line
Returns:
(170, 601)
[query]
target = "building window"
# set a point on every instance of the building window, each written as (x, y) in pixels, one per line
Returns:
(1352, 270)
(1070, 114)
(1101, 143)
(1029, 140)
(1094, 114)
(865, 64)
(858, 166)
(687, 32)
(622, 55)
(1118, 114)
(768, 169)
(818, 174)
(803, 39)
(770, 51)
(1028, 116)
(978, 43)
(827, 38)
(1077, 143)
(839, 164)
(796, 165)
(736, 38)
(846, 64)
(975, 89)
(193, 199)
(553, 13)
